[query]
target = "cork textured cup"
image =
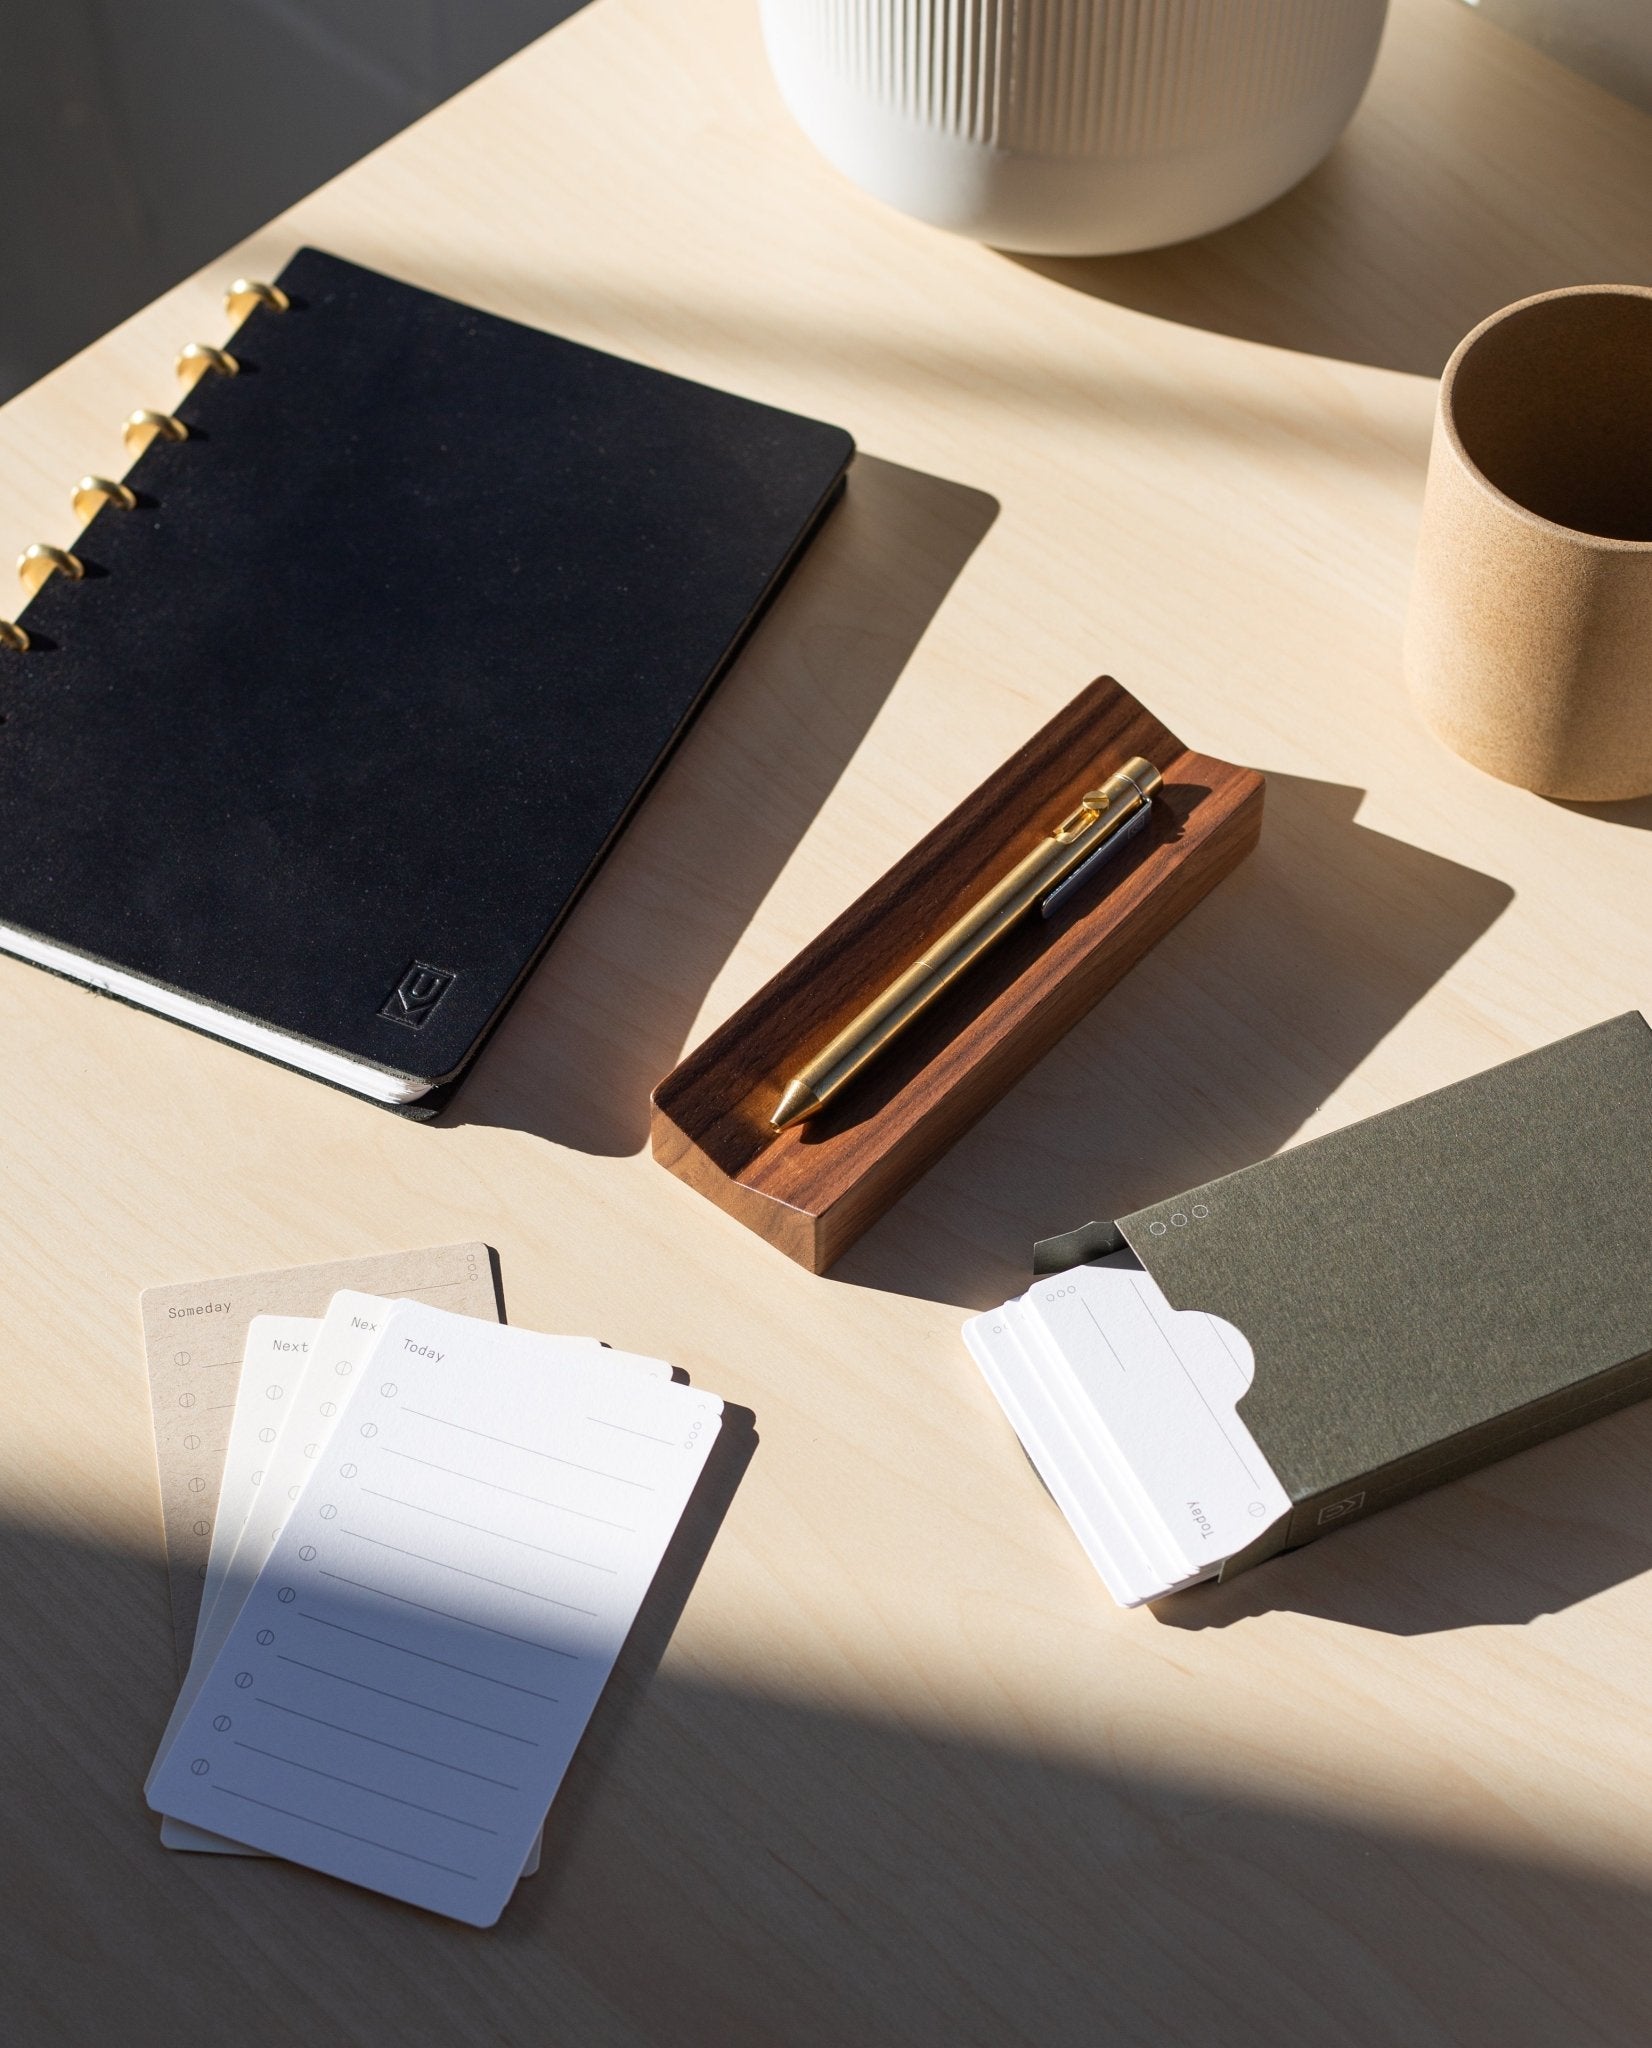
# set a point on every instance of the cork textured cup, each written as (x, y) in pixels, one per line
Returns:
(1528, 644)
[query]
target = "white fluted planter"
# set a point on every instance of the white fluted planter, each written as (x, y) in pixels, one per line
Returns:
(1074, 127)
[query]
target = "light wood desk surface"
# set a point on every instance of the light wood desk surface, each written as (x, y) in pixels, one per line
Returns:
(903, 1773)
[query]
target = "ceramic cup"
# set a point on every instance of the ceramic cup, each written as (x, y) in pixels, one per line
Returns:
(1529, 640)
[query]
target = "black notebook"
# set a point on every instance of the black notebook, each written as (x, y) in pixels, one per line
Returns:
(344, 713)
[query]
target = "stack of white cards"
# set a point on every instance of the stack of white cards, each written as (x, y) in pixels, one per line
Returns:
(433, 1536)
(1128, 1409)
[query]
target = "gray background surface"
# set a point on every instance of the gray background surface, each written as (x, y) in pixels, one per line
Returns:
(138, 138)
(1609, 41)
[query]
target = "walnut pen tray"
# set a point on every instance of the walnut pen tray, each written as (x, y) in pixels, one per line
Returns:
(811, 1190)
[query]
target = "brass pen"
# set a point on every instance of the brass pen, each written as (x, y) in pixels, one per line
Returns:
(1104, 820)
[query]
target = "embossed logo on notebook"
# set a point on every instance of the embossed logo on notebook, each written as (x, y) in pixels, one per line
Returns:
(414, 998)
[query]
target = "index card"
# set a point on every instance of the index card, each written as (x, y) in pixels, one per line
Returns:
(399, 1697)
(194, 1335)
(336, 1348)
(1129, 1410)
(1164, 1386)
(278, 1349)
(1084, 1495)
(347, 1334)
(1168, 1564)
(309, 1400)
(345, 1339)
(344, 1343)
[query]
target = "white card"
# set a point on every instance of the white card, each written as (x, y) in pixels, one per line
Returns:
(1164, 1385)
(194, 1334)
(1167, 1563)
(278, 1349)
(398, 1699)
(337, 1347)
(347, 1334)
(1129, 1410)
(1103, 1531)
(1096, 1461)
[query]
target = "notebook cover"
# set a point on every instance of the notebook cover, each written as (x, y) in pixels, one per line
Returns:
(346, 713)
(1433, 1287)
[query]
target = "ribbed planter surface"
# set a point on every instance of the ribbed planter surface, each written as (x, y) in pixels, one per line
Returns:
(1074, 126)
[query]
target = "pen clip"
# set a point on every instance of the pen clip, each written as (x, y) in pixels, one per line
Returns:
(1085, 872)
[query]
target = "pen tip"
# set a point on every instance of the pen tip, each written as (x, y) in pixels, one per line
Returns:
(797, 1100)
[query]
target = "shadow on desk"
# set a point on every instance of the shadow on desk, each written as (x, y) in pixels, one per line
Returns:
(1212, 1054)
(610, 1008)
(1531, 1535)
(1635, 812)
(1452, 148)
(732, 1867)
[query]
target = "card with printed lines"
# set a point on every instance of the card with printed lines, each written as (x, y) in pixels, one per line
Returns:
(194, 1335)
(293, 1381)
(400, 1693)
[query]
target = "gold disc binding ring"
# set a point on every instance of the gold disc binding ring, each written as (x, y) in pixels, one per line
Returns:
(92, 493)
(13, 638)
(246, 293)
(196, 358)
(145, 426)
(38, 564)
